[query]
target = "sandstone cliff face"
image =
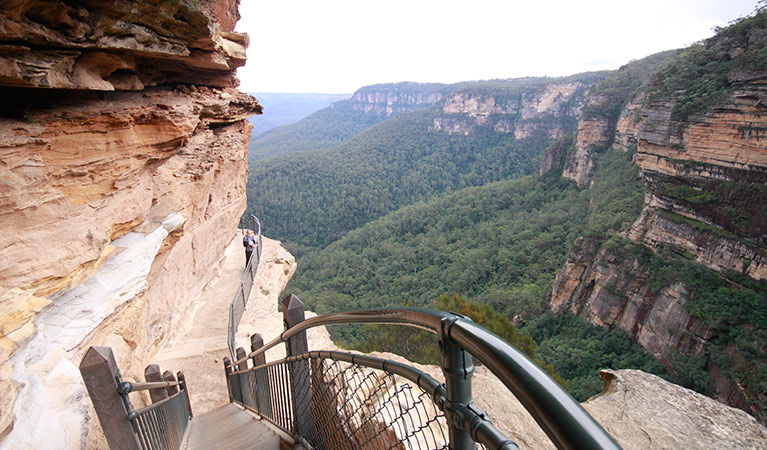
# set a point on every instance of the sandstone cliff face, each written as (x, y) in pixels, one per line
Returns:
(593, 134)
(117, 206)
(607, 290)
(609, 115)
(541, 110)
(117, 46)
(596, 134)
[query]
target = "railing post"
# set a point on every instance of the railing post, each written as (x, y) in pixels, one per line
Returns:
(301, 394)
(246, 390)
(99, 372)
(185, 388)
(152, 373)
(241, 355)
(233, 382)
(458, 367)
(256, 342)
(168, 376)
(263, 393)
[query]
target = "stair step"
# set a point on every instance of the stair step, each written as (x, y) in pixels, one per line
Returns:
(230, 427)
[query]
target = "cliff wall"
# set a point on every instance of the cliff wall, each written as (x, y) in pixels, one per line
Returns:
(122, 180)
(706, 185)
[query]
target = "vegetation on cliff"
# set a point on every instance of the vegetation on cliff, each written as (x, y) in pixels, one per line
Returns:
(731, 305)
(578, 350)
(610, 95)
(733, 208)
(702, 75)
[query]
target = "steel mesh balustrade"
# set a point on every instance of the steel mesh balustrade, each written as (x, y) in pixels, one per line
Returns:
(566, 423)
(161, 425)
(343, 405)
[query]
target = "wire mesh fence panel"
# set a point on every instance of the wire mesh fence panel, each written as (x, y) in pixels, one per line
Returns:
(338, 405)
(357, 407)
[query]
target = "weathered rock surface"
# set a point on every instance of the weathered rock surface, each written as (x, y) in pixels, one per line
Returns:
(110, 202)
(626, 128)
(607, 290)
(593, 134)
(710, 247)
(118, 45)
(643, 411)
(116, 207)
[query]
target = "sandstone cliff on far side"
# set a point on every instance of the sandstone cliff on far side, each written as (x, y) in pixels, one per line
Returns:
(687, 279)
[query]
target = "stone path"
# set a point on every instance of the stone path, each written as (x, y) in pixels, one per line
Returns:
(200, 344)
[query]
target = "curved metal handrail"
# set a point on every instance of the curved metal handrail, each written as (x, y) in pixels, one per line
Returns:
(560, 416)
(483, 430)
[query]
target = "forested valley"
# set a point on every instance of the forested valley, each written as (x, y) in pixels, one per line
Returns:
(463, 205)
(403, 214)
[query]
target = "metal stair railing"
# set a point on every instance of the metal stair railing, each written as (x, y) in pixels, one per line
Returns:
(240, 300)
(293, 392)
(158, 426)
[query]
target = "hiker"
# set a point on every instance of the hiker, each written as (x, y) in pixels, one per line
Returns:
(249, 242)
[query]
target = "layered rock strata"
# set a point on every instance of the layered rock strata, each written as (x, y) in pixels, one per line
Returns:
(706, 181)
(594, 134)
(538, 110)
(116, 207)
(118, 45)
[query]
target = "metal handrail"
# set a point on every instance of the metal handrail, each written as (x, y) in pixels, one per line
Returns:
(250, 274)
(560, 416)
(162, 424)
(128, 386)
(483, 430)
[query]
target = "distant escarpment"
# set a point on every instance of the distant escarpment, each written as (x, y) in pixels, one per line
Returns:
(687, 280)
(122, 180)
(522, 107)
(344, 119)
(390, 99)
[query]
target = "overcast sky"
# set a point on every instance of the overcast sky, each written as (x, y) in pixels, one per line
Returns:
(338, 46)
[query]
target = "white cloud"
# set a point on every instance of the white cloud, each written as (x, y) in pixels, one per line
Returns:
(341, 45)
